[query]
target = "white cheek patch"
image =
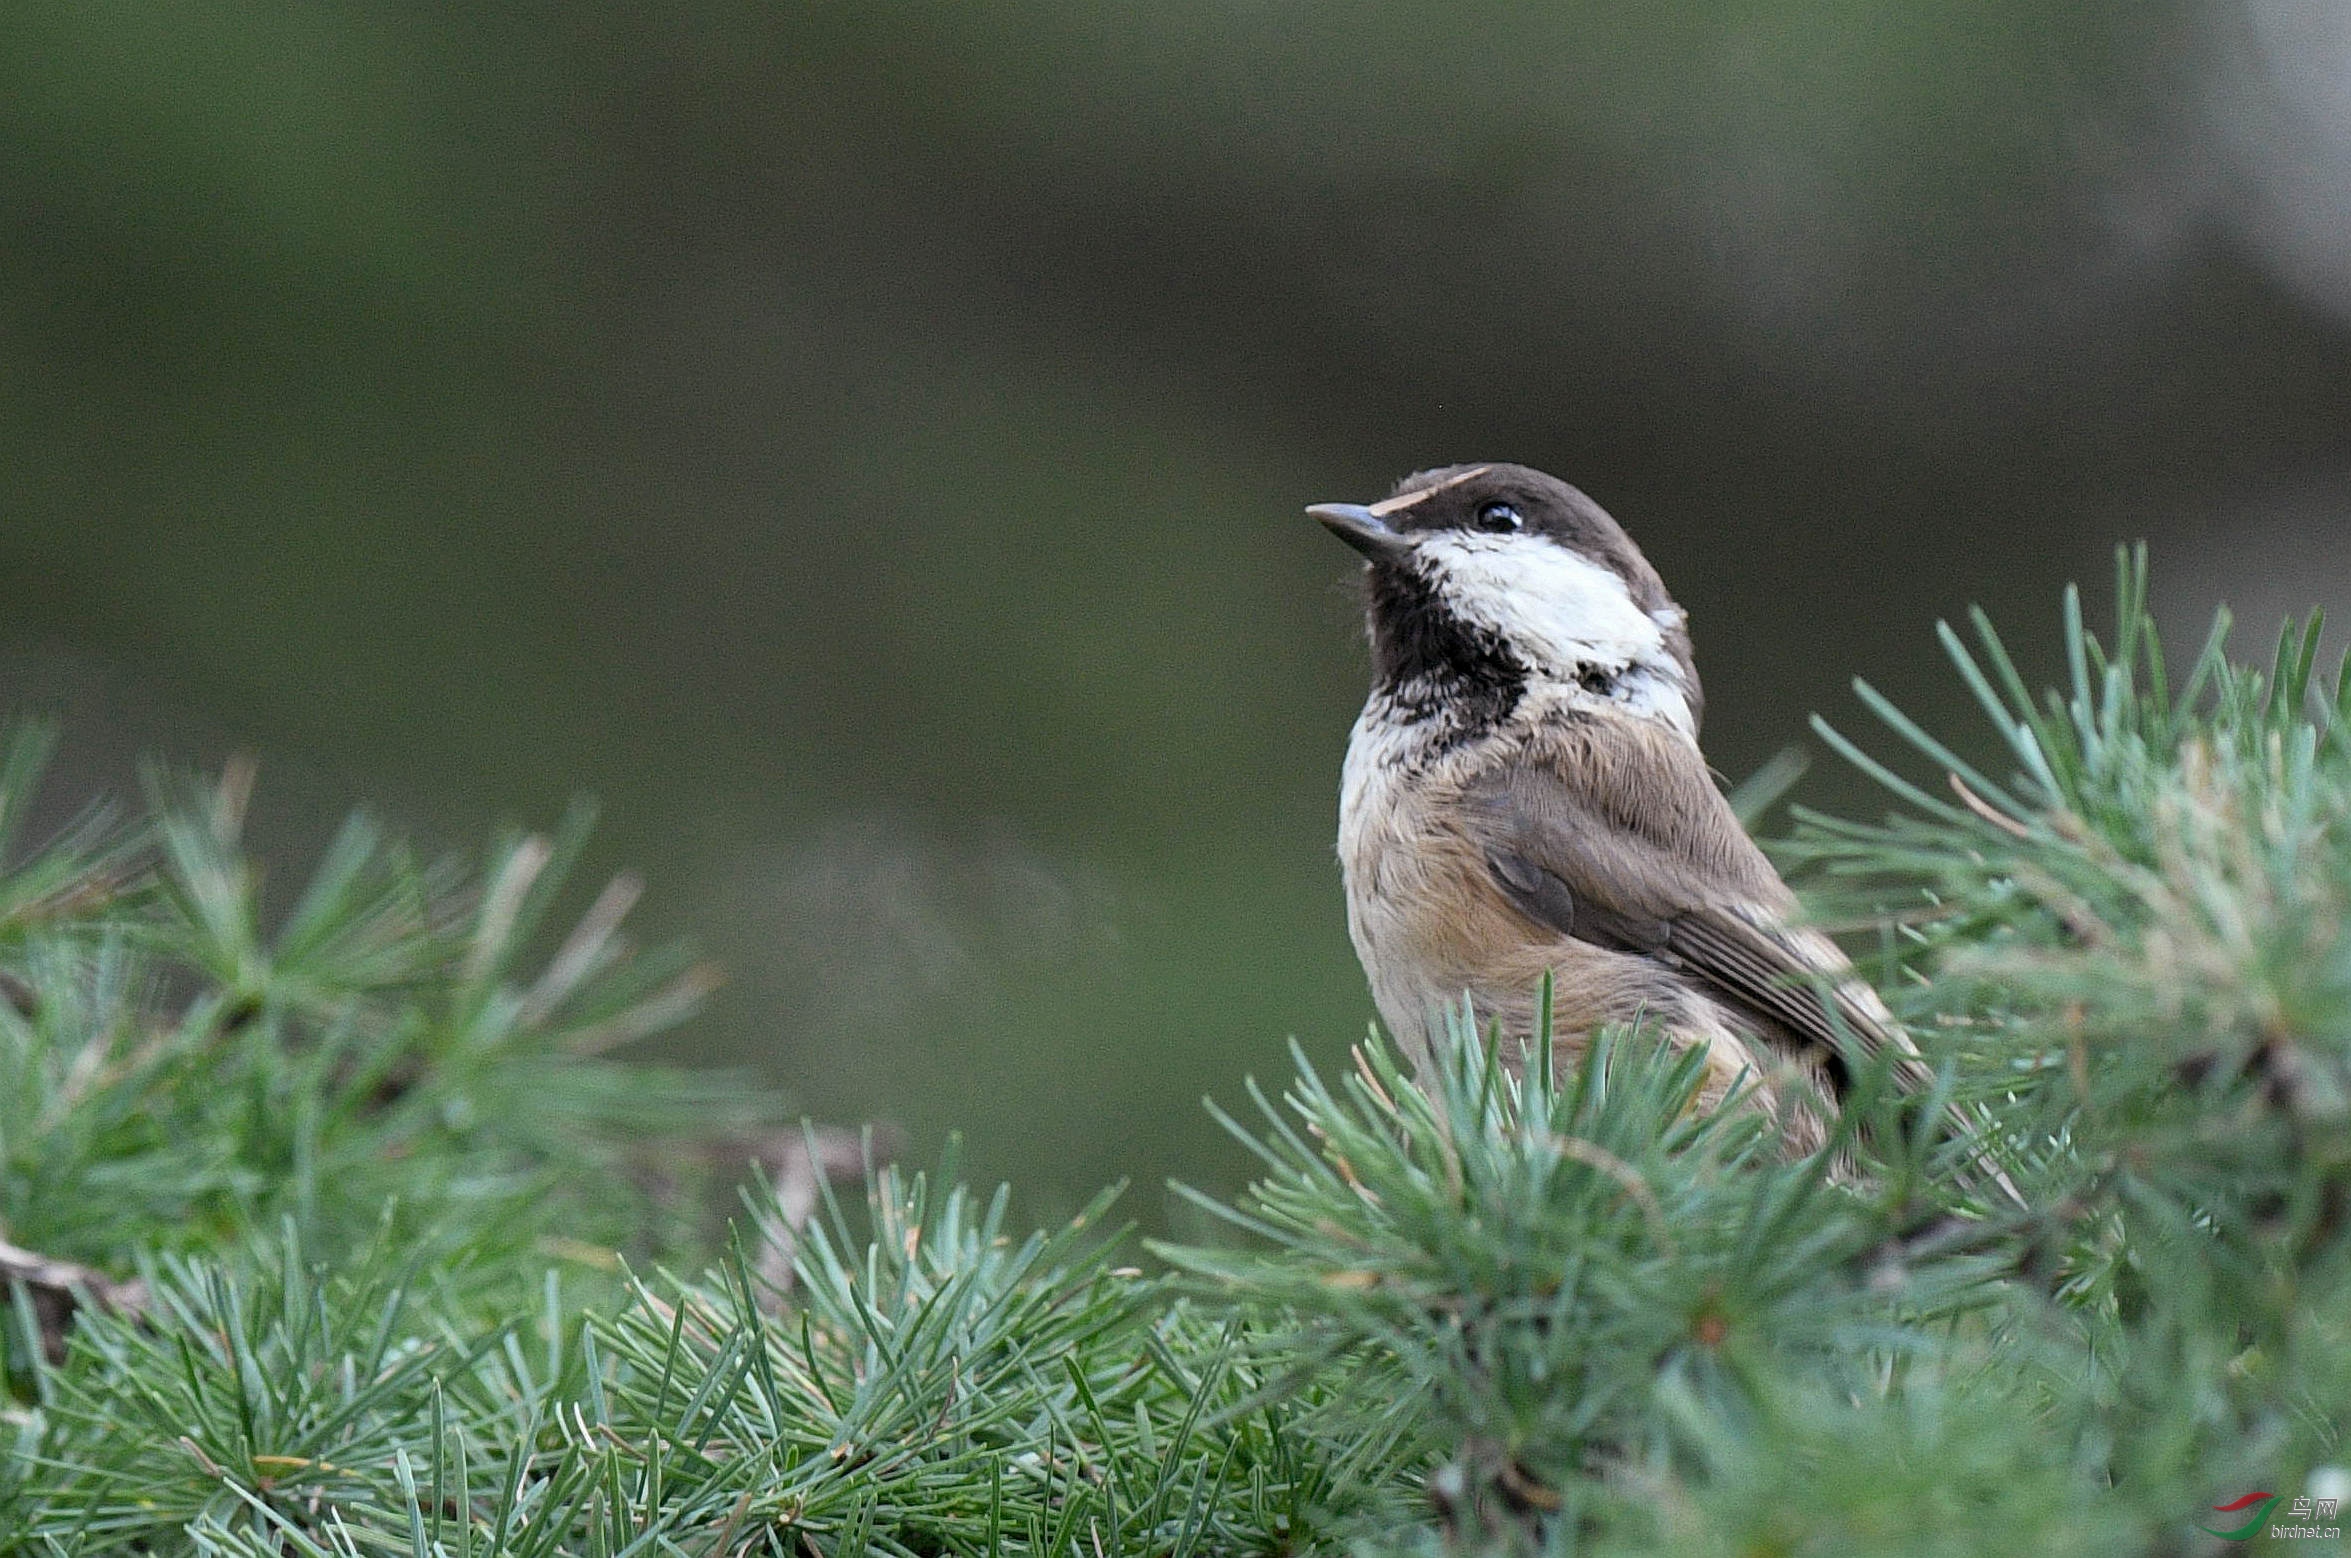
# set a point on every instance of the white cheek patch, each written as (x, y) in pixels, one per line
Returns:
(1566, 611)
(1565, 614)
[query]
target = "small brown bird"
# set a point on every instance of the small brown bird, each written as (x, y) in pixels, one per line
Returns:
(1524, 794)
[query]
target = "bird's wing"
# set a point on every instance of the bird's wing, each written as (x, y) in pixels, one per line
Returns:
(1618, 837)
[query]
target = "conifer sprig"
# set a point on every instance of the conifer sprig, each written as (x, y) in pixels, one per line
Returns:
(178, 1075)
(355, 1161)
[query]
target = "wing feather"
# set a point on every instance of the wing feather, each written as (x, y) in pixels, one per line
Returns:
(1614, 834)
(1653, 861)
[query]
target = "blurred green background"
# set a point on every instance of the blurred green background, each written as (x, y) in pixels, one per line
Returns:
(862, 444)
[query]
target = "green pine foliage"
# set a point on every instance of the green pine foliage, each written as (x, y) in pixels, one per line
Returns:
(417, 1270)
(175, 1076)
(944, 1387)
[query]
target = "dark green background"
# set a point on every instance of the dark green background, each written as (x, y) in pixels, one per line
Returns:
(863, 443)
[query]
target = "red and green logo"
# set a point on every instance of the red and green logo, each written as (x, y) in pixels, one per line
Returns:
(2259, 1503)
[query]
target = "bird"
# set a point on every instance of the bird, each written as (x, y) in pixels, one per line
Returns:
(1524, 797)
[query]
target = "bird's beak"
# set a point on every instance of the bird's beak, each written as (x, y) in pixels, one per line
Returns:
(1363, 530)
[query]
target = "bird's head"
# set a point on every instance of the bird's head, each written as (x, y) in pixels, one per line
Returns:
(1488, 582)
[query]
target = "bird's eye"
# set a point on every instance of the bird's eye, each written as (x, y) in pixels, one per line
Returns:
(1500, 518)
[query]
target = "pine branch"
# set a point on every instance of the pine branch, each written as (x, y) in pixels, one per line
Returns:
(369, 1168)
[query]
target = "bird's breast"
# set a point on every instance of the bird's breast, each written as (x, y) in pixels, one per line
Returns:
(1427, 919)
(1432, 926)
